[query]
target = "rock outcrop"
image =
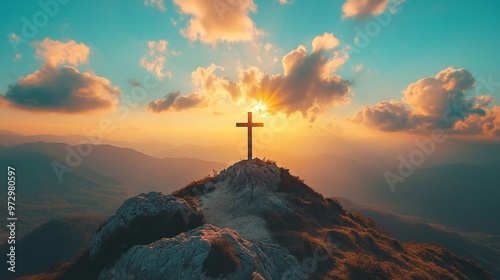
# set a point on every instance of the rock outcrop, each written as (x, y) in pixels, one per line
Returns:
(203, 253)
(131, 217)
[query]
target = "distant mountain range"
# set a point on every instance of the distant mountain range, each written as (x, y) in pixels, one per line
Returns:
(463, 196)
(40, 196)
(129, 166)
(96, 186)
(9, 138)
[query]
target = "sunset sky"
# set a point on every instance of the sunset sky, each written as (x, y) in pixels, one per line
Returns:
(185, 71)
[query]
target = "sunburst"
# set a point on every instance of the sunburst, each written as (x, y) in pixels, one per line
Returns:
(259, 108)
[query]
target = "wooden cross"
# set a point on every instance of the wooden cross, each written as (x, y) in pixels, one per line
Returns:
(249, 125)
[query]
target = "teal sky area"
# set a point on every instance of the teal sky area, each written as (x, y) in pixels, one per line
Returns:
(409, 41)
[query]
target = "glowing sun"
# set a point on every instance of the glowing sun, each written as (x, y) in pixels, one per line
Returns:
(259, 108)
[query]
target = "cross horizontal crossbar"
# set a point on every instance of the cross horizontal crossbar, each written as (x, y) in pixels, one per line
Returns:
(249, 125)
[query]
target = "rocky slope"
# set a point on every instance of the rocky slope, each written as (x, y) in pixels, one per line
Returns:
(252, 221)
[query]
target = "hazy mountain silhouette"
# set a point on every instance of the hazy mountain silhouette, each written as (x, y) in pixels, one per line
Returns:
(136, 169)
(52, 244)
(463, 196)
(9, 138)
(97, 186)
(452, 151)
(254, 220)
(42, 197)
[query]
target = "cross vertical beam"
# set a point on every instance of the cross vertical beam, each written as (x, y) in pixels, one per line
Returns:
(249, 125)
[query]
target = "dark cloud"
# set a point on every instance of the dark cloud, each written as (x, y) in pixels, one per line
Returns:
(434, 102)
(175, 102)
(64, 90)
(163, 104)
(487, 123)
(386, 116)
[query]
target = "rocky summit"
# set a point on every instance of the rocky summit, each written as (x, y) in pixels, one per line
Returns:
(253, 220)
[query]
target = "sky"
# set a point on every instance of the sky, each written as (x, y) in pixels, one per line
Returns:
(185, 71)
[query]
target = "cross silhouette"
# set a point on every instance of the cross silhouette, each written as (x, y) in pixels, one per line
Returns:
(249, 125)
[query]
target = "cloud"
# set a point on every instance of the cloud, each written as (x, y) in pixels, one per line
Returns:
(487, 124)
(325, 42)
(173, 21)
(214, 21)
(210, 89)
(385, 116)
(431, 98)
(164, 104)
(64, 89)
(363, 8)
(175, 102)
(56, 53)
(156, 3)
(13, 37)
(434, 102)
(14, 41)
(268, 47)
(154, 60)
(214, 87)
(328, 42)
(307, 86)
(357, 69)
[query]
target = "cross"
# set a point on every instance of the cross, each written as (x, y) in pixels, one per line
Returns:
(250, 125)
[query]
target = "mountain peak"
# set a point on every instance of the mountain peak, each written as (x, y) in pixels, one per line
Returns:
(238, 195)
(251, 175)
